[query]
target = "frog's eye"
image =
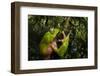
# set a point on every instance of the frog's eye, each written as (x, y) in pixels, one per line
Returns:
(51, 30)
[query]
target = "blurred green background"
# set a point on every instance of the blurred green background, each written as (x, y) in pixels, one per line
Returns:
(78, 38)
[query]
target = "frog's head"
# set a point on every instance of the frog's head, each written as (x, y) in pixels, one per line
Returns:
(51, 30)
(54, 31)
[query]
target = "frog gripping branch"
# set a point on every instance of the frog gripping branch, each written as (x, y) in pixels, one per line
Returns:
(48, 45)
(63, 48)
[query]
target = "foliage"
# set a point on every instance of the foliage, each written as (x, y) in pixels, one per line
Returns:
(78, 38)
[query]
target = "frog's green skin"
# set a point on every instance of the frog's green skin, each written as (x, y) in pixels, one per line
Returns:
(48, 38)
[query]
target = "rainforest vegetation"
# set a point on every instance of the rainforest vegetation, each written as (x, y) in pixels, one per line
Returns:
(57, 37)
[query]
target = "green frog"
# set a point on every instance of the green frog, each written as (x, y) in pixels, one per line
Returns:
(48, 44)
